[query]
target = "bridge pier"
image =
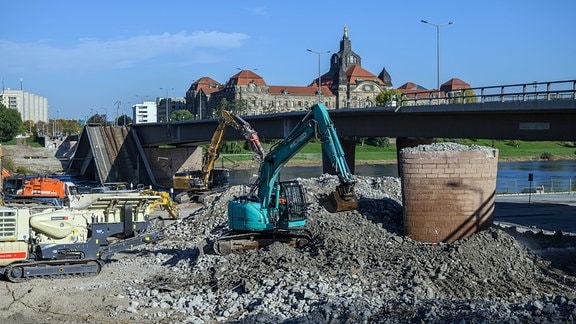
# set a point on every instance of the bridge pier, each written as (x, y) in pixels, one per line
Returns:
(165, 162)
(349, 147)
(448, 191)
(404, 142)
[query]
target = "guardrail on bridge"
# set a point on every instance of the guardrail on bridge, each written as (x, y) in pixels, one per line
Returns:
(535, 91)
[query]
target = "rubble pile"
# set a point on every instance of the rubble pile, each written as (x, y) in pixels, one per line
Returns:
(358, 268)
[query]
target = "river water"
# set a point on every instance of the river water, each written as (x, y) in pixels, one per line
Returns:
(512, 177)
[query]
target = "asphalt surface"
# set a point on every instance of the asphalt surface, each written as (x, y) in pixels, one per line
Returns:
(549, 212)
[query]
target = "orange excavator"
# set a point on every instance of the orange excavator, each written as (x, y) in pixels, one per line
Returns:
(42, 190)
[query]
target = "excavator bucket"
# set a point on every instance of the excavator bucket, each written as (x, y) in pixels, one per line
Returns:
(338, 201)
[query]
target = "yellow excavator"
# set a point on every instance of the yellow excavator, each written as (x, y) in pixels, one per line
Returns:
(191, 185)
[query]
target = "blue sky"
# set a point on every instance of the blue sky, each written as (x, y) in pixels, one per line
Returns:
(84, 56)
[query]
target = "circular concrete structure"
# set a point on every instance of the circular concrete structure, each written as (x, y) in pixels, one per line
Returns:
(448, 190)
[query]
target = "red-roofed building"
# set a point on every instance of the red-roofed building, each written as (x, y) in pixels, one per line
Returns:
(346, 85)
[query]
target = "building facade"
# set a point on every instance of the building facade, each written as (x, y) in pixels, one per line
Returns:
(30, 106)
(345, 85)
(166, 106)
(145, 112)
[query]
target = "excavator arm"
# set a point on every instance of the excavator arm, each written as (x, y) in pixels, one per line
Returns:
(275, 211)
(213, 151)
(164, 200)
(316, 123)
(244, 128)
(200, 181)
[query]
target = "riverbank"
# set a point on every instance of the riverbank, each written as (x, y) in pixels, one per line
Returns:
(247, 164)
(44, 161)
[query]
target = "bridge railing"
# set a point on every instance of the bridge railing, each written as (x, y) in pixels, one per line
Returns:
(534, 91)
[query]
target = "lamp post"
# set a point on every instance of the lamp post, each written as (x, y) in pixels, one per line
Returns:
(105, 111)
(141, 98)
(167, 103)
(437, 48)
(199, 104)
(319, 76)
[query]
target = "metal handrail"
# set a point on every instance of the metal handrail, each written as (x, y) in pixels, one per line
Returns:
(555, 90)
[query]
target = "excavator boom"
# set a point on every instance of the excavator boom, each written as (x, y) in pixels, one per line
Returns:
(277, 210)
(207, 179)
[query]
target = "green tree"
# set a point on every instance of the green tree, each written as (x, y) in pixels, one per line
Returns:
(386, 96)
(29, 127)
(466, 96)
(10, 123)
(232, 147)
(123, 120)
(67, 126)
(378, 141)
(181, 114)
(224, 104)
(97, 119)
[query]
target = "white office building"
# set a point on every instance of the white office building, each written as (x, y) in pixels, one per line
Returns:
(30, 106)
(145, 112)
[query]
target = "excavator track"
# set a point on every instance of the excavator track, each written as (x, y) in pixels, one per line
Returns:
(52, 269)
(237, 242)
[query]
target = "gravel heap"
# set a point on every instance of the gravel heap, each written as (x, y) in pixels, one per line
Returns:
(359, 268)
(449, 147)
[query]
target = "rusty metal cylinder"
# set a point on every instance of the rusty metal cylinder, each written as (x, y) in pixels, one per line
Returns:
(448, 190)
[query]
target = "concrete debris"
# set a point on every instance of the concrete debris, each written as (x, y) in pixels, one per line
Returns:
(449, 147)
(359, 268)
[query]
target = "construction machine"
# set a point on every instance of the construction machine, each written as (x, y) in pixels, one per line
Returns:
(41, 190)
(60, 242)
(192, 184)
(165, 202)
(277, 210)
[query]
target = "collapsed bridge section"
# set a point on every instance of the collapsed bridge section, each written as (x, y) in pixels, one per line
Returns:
(110, 154)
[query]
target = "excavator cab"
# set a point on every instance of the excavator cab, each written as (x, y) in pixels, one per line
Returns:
(292, 206)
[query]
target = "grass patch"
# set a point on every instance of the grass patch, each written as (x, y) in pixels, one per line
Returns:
(528, 150)
(508, 149)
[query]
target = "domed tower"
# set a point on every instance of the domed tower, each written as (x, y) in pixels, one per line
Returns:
(340, 62)
(352, 85)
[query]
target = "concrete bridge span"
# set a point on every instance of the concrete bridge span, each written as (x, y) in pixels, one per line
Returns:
(531, 121)
(501, 114)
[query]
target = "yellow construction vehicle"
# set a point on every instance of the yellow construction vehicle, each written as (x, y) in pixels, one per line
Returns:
(192, 184)
(164, 200)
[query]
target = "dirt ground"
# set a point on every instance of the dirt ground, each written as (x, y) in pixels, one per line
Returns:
(37, 160)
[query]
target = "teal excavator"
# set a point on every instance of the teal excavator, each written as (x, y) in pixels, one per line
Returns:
(275, 210)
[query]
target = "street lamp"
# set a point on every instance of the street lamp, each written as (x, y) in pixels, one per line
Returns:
(105, 111)
(166, 102)
(437, 48)
(319, 76)
(141, 98)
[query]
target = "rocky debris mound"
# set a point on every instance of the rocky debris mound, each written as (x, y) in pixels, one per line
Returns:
(359, 268)
(449, 147)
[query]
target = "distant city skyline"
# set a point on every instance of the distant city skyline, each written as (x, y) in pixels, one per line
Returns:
(68, 53)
